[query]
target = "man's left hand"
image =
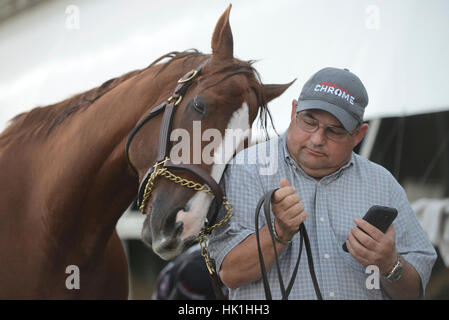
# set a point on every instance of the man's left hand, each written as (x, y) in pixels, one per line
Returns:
(373, 247)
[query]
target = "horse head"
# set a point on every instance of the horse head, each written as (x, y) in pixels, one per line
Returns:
(209, 121)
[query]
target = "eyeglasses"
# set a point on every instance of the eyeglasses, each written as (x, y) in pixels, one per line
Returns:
(311, 125)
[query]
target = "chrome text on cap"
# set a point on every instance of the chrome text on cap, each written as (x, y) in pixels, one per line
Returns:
(334, 89)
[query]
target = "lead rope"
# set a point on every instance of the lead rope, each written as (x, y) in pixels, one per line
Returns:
(266, 201)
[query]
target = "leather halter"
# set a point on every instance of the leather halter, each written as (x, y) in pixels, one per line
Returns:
(168, 108)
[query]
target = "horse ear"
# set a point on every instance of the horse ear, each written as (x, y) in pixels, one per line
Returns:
(272, 91)
(222, 42)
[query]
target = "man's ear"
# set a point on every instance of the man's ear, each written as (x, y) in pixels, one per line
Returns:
(294, 104)
(358, 136)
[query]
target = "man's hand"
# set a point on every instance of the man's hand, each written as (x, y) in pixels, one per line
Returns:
(288, 210)
(241, 265)
(373, 247)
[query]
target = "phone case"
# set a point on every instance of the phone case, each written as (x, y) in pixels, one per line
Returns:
(380, 217)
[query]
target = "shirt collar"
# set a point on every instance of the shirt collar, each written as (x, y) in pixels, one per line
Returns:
(290, 161)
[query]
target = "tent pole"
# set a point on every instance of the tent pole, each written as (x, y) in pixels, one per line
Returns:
(370, 138)
(399, 144)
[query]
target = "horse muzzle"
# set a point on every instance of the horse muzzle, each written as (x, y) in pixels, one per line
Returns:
(166, 234)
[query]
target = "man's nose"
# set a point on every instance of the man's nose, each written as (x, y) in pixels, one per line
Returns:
(318, 137)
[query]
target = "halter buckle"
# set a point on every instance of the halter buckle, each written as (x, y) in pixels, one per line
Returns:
(190, 75)
(177, 101)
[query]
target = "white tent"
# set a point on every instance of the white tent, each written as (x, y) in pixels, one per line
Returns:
(398, 48)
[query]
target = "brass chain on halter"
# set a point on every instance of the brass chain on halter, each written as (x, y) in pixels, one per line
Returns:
(206, 231)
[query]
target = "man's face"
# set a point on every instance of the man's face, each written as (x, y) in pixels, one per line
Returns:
(315, 153)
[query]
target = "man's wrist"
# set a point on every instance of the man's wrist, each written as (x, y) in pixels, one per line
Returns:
(395, 273)
(276, 236)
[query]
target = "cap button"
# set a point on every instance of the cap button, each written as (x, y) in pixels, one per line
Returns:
(346, 69)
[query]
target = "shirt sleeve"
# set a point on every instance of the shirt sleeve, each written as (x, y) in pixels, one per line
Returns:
(412, 242)
(243, 189)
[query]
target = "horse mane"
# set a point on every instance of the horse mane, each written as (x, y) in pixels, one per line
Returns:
(43, 120)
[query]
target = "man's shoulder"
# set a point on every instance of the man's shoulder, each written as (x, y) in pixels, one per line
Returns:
(368, 167)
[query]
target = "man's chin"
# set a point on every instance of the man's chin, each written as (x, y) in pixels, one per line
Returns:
(315, 168)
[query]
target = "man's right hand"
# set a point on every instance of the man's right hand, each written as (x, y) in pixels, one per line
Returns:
(241, 265)
(288, 210)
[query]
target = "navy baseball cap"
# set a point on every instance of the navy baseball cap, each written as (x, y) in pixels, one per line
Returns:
(337, 91)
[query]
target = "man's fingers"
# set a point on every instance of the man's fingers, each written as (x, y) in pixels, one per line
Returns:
(285, 183)
(374, 233)
(289, 201)
(355, 255)
(300, 218)
(363, 238)
(390, 232)
(284, 191)
(357, 248)
(292, 212)
(289, 225)
(281, 193)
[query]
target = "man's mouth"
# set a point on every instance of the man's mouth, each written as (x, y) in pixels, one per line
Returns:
(315, 153)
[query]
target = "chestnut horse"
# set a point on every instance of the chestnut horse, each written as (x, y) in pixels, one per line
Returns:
(65, 178)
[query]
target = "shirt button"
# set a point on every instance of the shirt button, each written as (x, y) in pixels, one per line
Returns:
(321, 219)
(331, 294)
(326, 256)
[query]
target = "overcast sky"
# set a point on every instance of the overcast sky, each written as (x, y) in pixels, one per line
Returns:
(398, 48)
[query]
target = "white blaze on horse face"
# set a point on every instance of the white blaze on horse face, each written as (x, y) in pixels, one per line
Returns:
(237, 130)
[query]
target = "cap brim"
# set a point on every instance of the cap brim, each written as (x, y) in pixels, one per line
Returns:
(347, 120)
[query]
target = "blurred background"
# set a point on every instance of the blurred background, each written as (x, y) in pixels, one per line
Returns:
(53, 49)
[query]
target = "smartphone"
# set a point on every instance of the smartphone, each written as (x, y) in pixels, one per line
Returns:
(380, 217)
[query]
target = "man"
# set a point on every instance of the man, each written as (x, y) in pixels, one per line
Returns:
(325, 185)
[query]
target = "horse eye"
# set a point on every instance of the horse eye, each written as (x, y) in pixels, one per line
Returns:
(199, 107)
